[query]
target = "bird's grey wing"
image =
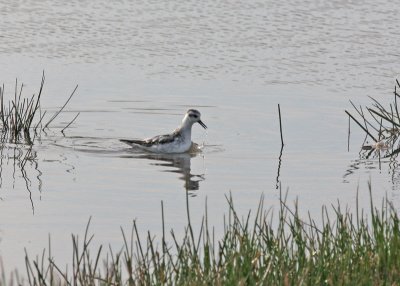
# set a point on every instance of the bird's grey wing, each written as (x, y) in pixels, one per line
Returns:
(160, 139)
(133, 141)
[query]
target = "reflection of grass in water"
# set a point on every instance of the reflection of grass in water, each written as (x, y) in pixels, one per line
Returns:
(20, 118)
(21, 169)
(17, 162)
(348, 249)
(17, 115)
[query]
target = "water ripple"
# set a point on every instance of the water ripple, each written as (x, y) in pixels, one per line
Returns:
(315, 43)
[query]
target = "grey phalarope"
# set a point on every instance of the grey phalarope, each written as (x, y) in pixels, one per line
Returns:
(179, 141)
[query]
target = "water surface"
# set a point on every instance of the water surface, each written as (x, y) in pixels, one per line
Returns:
(141, 64)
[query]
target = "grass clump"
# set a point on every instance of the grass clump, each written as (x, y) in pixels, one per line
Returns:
(381, 124)
(17, 115)
(346, 249)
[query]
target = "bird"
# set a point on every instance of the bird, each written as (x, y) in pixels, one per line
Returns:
(179, 141)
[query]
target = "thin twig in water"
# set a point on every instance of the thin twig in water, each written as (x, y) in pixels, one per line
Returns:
(280, 124)
(348, 137)
(362, 127)
(62, 131)
(384, 117)
(61, 109)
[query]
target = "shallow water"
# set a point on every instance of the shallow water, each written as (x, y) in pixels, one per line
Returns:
(140, 65)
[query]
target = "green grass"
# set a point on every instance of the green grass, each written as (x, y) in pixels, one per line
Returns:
(20, 115)
(359, 248)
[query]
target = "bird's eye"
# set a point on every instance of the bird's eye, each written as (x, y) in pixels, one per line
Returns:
(193, 115)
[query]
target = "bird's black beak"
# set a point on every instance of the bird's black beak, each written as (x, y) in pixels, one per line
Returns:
(202, 124)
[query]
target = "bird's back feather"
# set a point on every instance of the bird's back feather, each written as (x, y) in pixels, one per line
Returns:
(156, 140)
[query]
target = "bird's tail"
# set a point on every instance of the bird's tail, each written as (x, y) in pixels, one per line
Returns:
(132, 142)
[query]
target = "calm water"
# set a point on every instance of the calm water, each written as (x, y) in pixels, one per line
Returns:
(141, 64)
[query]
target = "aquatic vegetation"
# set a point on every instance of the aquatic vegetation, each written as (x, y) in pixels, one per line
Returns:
(17, 116)
(21, 122)
(380, 124)
(343, 249)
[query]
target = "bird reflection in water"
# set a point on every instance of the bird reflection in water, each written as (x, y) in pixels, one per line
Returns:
(174, 163)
